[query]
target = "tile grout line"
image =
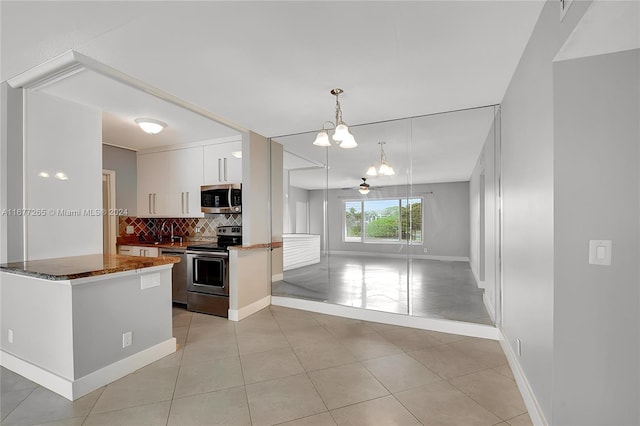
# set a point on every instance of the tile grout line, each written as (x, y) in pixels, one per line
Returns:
(306, 373)
(246, 394)
(175, 384)
(20, 403)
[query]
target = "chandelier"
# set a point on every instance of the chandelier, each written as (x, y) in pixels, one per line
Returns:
(341, 134)
(384, 168)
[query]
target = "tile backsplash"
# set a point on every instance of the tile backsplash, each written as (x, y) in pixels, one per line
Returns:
(148, 228)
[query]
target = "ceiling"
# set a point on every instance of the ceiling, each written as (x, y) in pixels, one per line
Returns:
(269, 66)
(429, 149)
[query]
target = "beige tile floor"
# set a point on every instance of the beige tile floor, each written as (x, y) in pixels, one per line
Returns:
(284, 366)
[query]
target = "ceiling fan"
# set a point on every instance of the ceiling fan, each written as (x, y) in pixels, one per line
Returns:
(364, 187)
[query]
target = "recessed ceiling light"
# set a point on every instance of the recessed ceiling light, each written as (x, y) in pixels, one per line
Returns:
(150, 125)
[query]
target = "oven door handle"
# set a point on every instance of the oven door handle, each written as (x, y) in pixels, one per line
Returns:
(220, 254)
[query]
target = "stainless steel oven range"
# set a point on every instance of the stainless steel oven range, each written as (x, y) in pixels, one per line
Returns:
(208, 272)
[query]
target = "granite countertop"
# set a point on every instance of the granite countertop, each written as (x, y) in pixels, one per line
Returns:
(74, 267)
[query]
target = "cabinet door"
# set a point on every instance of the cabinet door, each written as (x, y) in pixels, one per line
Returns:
(127, 250)
(220, 165)
(152, 183)
(233, 170)
(186, 170)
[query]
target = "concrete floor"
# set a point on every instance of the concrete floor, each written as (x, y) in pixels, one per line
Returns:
(418, 287)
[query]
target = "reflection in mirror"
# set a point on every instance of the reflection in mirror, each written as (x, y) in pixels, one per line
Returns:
(418, 241)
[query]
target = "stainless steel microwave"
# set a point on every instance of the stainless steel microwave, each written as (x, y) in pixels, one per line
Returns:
(225, 198)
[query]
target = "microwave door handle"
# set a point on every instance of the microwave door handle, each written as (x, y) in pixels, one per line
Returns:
(229, 198)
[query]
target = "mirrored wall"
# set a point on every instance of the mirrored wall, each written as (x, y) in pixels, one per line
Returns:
(406, 222)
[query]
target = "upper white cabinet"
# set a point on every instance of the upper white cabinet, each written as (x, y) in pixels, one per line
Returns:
(169, 183)
(220, 165)
(185, 175)
(152, 183)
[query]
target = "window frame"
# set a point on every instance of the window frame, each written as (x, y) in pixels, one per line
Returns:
(362, 238)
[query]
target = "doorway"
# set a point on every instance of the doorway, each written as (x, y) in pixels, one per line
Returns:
(109, 225)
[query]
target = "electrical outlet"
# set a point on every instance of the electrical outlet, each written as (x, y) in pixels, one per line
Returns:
(127, 339)
(425, 250)
(519, 347)
(198, 229)
(130, 230)
(10, 335)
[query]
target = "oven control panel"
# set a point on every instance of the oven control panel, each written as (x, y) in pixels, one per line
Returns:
(229, 230)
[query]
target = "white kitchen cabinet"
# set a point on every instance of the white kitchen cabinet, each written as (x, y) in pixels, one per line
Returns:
(169, 183)
(138, 251)
(186, 171)
(152, 183)
(220, 166)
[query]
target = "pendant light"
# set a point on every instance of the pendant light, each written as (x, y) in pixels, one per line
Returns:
(384, 168)
(341, 133)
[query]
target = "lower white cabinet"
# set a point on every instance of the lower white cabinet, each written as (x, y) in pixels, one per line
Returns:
(138, 251)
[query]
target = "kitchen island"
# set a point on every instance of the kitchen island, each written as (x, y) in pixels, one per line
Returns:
(75, 324)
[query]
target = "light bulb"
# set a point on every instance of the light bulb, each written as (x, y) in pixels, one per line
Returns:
(371, 171)
(348, 141)
(341, 132)
(322, 139)
(385, 170)
(151, 126)
(364, 191)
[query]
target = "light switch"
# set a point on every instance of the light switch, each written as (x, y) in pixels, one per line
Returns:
(600, 252)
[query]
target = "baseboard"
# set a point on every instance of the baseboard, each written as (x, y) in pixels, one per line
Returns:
(74, 389)
(441, 325)
(402, 256)
(489, 306)
(277, 277)
(238, 314)
(529, 398)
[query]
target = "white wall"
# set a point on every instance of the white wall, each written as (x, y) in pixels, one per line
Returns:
(256, 189)
(527, 177)
(297, 197)
(61, 136)
(123, 162)
(484, 238)
(11, 193)
(596, 196)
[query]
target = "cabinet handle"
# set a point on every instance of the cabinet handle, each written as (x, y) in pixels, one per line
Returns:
(219, 169)
(125, 250)
(186, 196)
(182, 201)
(226, 179)
(154, 203)
(150, 209)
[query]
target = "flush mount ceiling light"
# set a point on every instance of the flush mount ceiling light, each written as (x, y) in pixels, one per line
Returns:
(341, 133)
(384, 168)
(364, 187)
(150, 125)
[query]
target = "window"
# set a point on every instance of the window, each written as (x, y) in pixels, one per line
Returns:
(383, 220)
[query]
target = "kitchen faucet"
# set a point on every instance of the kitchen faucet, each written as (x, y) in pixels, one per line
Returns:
(162, 229)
